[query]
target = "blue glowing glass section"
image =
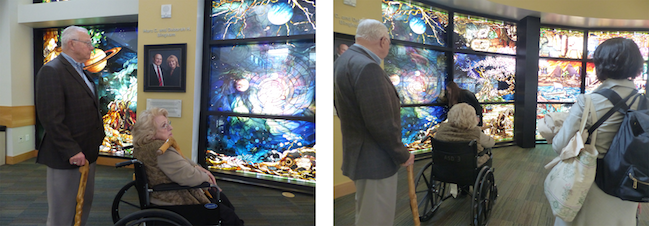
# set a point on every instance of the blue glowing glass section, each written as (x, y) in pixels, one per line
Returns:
(415, 22)
(251, 138)
(418, 74)
(269, 79)
(238, 19)
(416, 120)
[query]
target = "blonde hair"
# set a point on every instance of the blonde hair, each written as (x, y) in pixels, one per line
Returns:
(174, 58)
(462, 116)
(145, 129)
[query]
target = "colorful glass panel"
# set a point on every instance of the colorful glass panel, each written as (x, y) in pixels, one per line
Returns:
(418, 74)
(592, 82)
(491, 78)
(239, 19)
(415, 22)
(559, 80)
(640, 37)
(257, 144)
(269, 79)
(499, 120)
(113, 63)
(416, 121)
(543, 109)
(563, 43)
(482, 34)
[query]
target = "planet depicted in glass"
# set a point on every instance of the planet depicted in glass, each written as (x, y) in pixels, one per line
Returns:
(280, 13)
(417, 25)
(98, 58)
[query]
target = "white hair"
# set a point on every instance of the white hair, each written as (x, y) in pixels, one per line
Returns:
(371, 30)
(70, 33)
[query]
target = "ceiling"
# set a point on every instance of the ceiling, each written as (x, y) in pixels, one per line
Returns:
(574, 13)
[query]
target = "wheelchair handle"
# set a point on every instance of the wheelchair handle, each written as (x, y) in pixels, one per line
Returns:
(126, 163)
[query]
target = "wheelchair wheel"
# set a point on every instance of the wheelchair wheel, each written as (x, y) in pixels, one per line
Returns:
(153, 216)
(126, 202)
(430, 193)
(484, 196)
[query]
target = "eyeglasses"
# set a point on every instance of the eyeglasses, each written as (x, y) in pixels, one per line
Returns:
(88, 43)
(166, 125)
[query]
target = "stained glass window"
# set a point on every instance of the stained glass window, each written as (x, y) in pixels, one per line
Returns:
(418, 74)
(543, 109)
(491, 78)
(563, 43)
(559, 80)
(114, 64)
(239, 19)
(269, 79)
(415, 22)
(640, 37)
(499, 119)
(270, 146)
(416, 121)
(592, 82)
(483, 34)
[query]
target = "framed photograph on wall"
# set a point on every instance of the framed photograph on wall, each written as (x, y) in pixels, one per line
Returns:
(165, 68)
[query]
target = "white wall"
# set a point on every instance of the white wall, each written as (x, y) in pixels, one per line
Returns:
(20, 140)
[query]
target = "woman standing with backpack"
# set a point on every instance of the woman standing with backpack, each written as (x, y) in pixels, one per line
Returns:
(617, 62)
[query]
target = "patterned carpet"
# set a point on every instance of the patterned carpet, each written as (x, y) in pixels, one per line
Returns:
(23, 200)
(519, 175)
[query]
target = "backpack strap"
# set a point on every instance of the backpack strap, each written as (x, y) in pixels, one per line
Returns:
(618, 105)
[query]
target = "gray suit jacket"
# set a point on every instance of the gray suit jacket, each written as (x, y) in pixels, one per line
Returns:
(369, 110)
(69, 113)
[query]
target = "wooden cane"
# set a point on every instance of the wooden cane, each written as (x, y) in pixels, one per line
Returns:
(413, 196)
(80, 193)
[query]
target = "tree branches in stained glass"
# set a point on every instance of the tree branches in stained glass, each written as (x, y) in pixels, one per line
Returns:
(238, 19)
(418, 74)
(482, 34)
(559, 80)
(563, 43)
(491, 78)
(415, 22)
(640, 37)
(268, 79)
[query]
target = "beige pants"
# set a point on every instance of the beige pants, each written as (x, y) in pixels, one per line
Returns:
(376, 201)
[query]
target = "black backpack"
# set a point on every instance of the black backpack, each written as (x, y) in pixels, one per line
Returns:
(624, 170)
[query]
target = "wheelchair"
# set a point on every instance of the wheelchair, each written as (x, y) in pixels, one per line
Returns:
(456, 163)
(132, 206)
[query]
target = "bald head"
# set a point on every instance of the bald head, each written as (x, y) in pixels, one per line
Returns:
(373, 35)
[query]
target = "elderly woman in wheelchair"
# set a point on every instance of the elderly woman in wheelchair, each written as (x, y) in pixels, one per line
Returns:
(462, 125)
(155, 147)
(461, 157)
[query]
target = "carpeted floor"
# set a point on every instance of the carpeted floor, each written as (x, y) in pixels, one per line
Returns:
(23, 200)
(519, 175)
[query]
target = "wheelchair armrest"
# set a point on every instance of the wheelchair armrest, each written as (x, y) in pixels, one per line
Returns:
(484, 151)
(176, 186)
(126, 163)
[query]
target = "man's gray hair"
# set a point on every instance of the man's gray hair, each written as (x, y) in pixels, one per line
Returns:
(371, 30)
(70, 33)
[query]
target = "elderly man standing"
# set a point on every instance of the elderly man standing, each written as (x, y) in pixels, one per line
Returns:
(368, 107)
(68, 108)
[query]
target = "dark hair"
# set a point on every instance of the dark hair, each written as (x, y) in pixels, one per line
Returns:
(452, 93)
(617, 58)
